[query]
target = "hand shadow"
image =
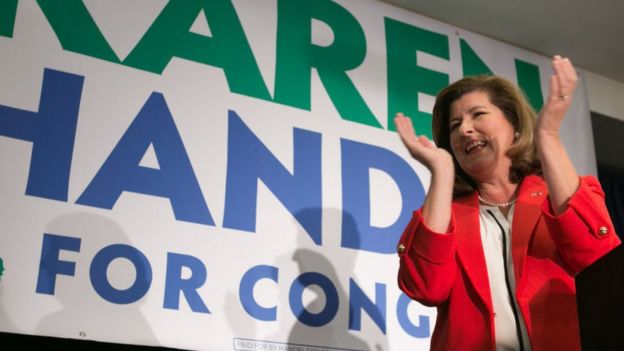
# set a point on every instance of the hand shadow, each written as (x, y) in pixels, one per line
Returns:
(84, 314)
(314, 325)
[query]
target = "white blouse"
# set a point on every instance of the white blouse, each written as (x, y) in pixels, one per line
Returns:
(509, 327)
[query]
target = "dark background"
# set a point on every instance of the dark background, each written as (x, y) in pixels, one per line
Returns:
(600, 288)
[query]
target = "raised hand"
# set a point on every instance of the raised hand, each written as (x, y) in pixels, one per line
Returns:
(562, 86)
(436, 210)
(558, 170)
(420, 147)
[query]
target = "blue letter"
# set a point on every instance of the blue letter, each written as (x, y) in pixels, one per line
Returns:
(331, 299)
(174, 284)
(418, 331)
(174, 180)
(358, 301)
(51, 130)
(99, 280)
(247, 284)
(50, 265)
(357, 160)
(250, 160)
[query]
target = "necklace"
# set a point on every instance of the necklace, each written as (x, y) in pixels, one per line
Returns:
(502, 204)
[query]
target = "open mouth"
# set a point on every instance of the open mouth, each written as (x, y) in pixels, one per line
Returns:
(475, 146)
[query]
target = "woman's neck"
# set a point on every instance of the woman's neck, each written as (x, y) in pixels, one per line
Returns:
(501, 194)
(497, 190)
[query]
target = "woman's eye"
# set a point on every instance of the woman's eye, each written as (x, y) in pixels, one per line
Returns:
(453, 126)
(478, 113)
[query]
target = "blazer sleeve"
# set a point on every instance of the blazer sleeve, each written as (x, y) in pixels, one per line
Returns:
(427, 262)
(584, 231)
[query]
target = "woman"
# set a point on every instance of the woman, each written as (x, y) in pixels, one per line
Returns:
(507, 222)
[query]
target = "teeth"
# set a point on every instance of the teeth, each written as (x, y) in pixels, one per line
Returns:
(474, 144)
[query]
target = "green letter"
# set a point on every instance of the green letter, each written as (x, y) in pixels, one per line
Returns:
(529, 81)
(228, 48)
(296, 55)
(472, 65)
(8, 9)
(405, 78)
(76, 29)
(526, 73)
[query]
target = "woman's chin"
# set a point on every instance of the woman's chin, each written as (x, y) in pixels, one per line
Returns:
(481, 170)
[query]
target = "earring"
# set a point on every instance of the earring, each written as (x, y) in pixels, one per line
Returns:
(516, 135)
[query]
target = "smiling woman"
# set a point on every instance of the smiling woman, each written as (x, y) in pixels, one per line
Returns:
(480, 136)
(487, 98)
(502, 232)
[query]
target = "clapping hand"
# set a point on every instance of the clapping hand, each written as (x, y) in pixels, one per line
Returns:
(421, 148)
(562, 86)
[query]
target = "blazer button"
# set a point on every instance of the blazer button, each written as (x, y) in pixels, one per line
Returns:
(400, 248)
(603, 231)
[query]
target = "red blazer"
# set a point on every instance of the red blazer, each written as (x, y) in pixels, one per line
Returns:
(449, 271)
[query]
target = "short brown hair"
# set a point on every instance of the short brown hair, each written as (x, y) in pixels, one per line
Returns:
(507, 97)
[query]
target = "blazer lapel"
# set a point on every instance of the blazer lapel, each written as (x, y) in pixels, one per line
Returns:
(527, 212)
(469, 247)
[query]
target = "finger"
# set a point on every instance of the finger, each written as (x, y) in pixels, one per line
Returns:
(399, 121)
(400, 118)
(416, 145)
(559, 70)
(554, 90)
(569, 72)
(406, 124)
(405, 130)
(425, 141)
(566, 74)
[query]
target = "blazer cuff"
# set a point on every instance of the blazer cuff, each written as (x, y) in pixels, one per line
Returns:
(420, 240)
(586, 209)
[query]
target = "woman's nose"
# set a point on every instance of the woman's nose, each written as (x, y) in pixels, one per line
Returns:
(466, 128)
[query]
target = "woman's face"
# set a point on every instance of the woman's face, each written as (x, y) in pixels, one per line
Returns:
(480, 136)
